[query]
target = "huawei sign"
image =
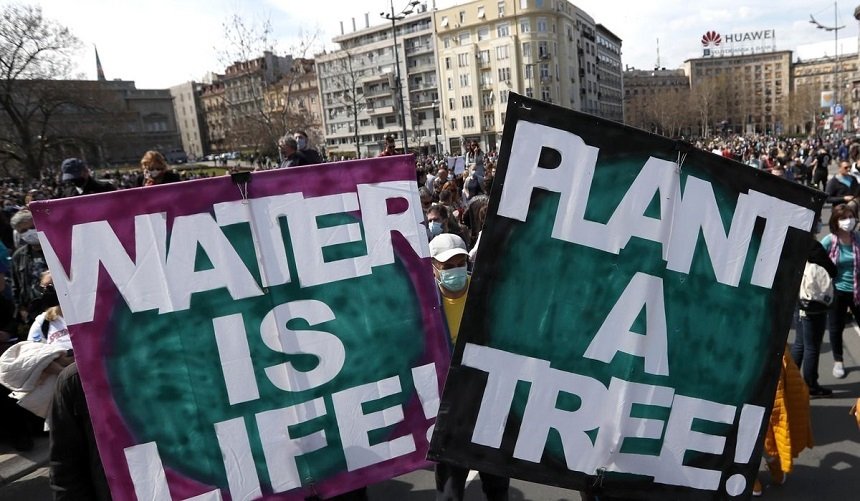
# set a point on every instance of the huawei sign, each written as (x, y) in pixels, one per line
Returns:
(711, 39)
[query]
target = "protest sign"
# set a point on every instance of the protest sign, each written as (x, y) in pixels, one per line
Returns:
(627, 313)
(271, 339)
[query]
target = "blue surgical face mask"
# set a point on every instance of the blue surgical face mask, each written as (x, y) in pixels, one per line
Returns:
(435, 228)
(454, 279)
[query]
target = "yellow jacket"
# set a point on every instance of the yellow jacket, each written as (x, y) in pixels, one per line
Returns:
(790, 429)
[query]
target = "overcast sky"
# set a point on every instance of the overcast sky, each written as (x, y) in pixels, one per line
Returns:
(160, 43)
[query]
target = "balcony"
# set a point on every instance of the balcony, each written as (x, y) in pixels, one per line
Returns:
(545, 80)
(380, 110)
(420, 49)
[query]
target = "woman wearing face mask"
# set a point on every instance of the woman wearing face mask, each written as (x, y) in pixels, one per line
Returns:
(843, 246)
(156, 170)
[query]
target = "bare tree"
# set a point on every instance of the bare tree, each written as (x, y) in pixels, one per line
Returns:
(34, 53)
(804, 107)
(343, 75)
(260, 88)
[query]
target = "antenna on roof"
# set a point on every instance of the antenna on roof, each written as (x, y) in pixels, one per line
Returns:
(657, 66)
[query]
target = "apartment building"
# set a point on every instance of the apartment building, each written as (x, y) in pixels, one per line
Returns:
(361, 94)
(189, 117)
(750, 93)
(545, 49)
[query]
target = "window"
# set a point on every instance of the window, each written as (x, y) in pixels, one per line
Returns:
(529, 71)
(447, 63)
(527, 50)
(465, 37)
(446, 42)
(462, 17)
(541, 24)
(484, 57)
(452, 104)
(466, 101)
(480, 12)
(487, 99)
(462, 60)
(501, 9)
(503, 30)
(501, 53)
(524, 4)
(453, 124)
(450, 83)
(444, 22)
(544, 72)
(483, 33)
(525, 26)
(543, 50)
(504, 74)
(465, 81)
(486, 78)
(530, 92)
(488, 121)
(503, 98)
(469, 122)
(545, 94)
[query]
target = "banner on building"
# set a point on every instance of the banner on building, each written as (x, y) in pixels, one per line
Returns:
(627, 313)
(277, 338)
(827, 99)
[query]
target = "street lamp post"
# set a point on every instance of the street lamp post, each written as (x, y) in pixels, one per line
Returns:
(394, 18)
(435, 130)
(835, 29)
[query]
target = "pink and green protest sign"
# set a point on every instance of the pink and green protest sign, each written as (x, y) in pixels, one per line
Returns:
(275, 339)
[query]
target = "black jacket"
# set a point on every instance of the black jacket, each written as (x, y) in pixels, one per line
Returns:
(819, 255)
(836, 190)
(77, 473)
(89, 187)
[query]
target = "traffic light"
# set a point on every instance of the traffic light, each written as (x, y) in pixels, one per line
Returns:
(823, 115)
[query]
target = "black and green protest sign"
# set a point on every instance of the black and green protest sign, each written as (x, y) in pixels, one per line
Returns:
(627, 314)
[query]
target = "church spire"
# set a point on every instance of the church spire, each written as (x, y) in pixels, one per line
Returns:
(99, 70)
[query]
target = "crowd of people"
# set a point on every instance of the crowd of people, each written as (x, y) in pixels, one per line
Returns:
(454, 194)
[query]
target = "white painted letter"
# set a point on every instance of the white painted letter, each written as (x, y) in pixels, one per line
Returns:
(325, 346)
(353, 424)
(615, 335)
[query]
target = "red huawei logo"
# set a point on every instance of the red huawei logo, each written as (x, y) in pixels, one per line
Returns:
(711, 38)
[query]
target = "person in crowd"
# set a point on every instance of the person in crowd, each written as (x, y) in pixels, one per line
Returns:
(474, 158)
(843, 247)
(155, 170)
(389, 149)
(789, 429)
(820, 168)
(810, 325)
(437, 220)
(312, 155)
(450, 259)
(292, 156)
(843, 187)
(426, 199)
(78, 180)
(28, 265)
(76, 471)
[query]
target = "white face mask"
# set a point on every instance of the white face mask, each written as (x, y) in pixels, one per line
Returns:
(847, 224)
(30, 237)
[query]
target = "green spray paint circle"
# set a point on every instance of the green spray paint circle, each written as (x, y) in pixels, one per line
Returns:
(166, 378)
